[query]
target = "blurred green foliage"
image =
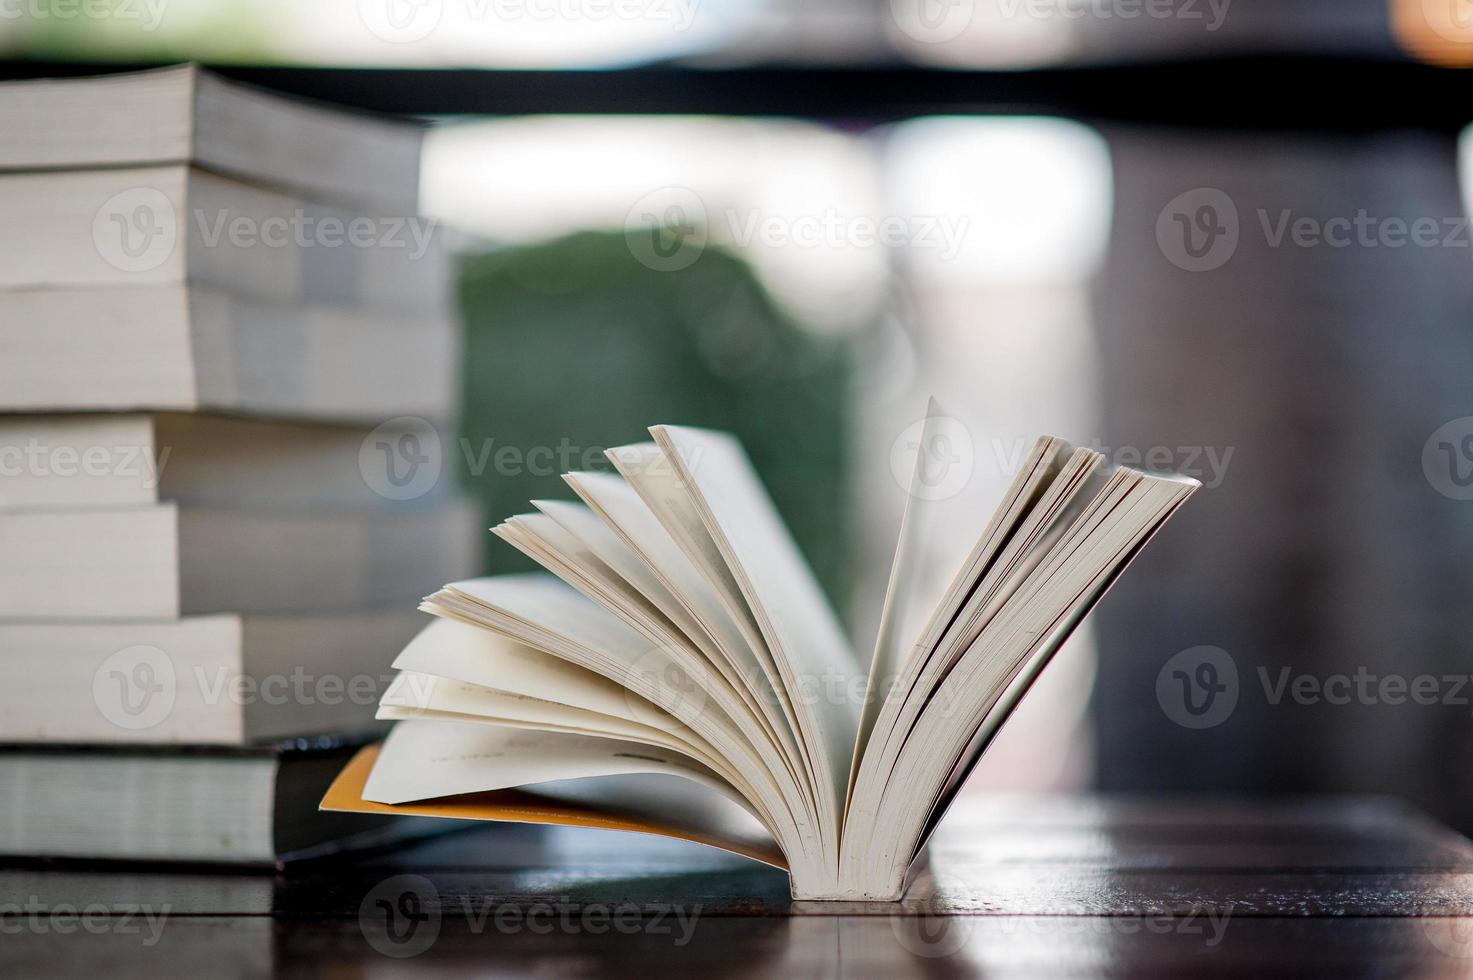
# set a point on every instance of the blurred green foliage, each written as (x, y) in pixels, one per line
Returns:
(145, 31)
(573, 346)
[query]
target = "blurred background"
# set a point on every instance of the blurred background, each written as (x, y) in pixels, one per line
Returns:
(1224, 237)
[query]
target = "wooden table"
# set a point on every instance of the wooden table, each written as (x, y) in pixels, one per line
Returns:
(1070, 886)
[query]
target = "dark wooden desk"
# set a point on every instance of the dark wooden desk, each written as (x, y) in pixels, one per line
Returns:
(1036, 887)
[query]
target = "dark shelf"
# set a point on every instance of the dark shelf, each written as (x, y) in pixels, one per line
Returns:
(1260, 93)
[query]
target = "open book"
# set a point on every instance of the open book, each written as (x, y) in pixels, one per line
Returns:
(681, 672)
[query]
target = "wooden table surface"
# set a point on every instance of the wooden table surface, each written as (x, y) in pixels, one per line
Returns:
(1068, 886)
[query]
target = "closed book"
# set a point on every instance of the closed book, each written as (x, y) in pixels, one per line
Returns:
(181, 225)
(184, 114)
(227, 679)
(250, 806)
(164, 561)
(185, 349)
(107, 460)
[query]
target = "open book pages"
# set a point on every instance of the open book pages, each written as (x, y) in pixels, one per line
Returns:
(681, 634)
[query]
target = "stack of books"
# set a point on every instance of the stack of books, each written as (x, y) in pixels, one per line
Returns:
(228, 351)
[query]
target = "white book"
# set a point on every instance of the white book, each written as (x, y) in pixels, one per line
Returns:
(105, 460)
(179, 225)
(682, 634)
(227, 679)
(187, 115)
(175, 348)
(164, 561)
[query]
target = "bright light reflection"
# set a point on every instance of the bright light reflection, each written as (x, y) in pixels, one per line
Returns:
(764, 187)
(436, 33)
(1035, 195)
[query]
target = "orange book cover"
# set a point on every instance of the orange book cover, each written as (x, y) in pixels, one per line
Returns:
(345, 795)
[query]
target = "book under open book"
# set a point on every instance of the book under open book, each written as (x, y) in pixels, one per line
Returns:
(682, 673)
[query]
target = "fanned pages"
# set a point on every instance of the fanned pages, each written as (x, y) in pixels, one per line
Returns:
(681, 672)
